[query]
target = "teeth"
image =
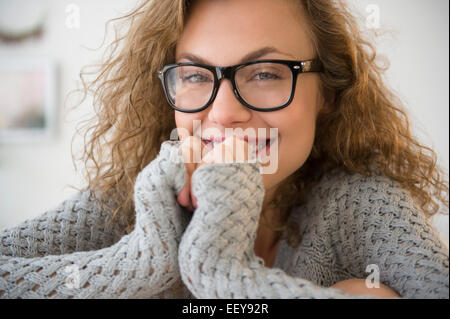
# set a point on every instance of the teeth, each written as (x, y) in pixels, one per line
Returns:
(255, 147)
(209, 143)
(262, 146)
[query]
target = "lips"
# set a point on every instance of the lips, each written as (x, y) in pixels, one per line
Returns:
(213, 139)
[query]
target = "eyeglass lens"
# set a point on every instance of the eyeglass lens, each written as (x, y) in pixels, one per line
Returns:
(261, 85)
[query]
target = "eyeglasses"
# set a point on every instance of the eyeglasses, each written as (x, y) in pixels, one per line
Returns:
(263, 85)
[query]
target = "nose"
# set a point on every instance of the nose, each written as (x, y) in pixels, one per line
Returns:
(226, 109)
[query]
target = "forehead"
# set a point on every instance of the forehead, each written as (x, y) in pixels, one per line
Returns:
(223, 31)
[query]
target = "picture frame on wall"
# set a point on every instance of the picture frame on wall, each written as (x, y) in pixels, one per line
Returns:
(27, 99)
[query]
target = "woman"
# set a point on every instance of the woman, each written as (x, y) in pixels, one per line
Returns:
(352, 190)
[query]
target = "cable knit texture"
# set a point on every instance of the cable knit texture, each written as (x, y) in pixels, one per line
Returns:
(349, 223)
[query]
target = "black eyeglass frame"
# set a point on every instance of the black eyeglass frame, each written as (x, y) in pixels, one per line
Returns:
(228, 72)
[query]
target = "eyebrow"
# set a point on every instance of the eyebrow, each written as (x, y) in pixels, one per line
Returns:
(254, 55)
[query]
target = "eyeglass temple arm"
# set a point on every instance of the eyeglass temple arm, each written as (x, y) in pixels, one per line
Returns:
(314, 65)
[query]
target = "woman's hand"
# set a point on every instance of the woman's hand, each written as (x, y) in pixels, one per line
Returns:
(196, 154)
(191, 147)
(358, 287)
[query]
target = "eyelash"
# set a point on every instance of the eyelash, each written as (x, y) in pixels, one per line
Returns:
(187, 78)
(273, 75)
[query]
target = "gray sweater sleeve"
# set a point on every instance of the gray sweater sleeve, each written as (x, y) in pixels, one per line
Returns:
(141, 264)
(76, 224)
(392, 236)
(216, 253)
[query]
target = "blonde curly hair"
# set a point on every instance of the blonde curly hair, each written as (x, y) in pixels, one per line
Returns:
(366, 126)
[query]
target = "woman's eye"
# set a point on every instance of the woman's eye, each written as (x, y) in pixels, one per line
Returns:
(266, 76)
(195, 78)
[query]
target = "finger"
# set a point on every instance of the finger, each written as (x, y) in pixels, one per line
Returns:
(187, 152)
(189, 192)
(183, 197)
(201, 147)
(192, 149)
(194, 201)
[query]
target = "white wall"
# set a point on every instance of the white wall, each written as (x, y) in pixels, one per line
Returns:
(34, 176)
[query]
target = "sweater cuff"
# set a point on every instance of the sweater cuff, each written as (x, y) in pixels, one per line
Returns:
(172, 163)
(229, 184)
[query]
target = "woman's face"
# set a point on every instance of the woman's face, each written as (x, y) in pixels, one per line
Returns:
(221, 33)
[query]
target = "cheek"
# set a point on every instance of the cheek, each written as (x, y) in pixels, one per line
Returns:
(180, 120)
(185, 123)
(297, 130)
(297, 144)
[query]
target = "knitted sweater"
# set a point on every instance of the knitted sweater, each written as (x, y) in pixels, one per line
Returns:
(349, 222)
